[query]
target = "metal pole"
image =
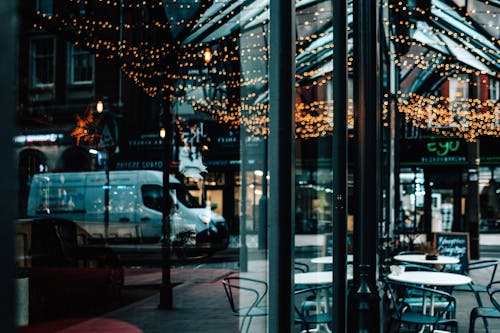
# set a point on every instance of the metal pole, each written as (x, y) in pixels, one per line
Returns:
(166, 295)
(339, 145)
(106, 198)
(364, 300)
(281, 157)
(243, 204)
(472, 200)
(9, 34)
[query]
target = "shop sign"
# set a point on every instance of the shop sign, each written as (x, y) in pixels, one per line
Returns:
(433, 152)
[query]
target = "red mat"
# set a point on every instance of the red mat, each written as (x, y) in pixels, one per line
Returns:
(79, 325)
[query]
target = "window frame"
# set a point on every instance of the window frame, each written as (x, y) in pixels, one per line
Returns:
(35, 57)
(76, 51)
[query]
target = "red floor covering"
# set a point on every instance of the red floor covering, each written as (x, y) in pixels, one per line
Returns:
(79, 325)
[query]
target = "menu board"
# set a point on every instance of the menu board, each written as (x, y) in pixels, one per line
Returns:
(454, 244)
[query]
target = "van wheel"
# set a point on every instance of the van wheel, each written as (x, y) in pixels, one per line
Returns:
(189, 253)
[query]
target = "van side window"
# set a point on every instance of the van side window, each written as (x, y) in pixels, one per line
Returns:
(185, 197)
(152, 196)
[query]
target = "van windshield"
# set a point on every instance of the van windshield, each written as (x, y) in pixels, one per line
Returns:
(152, 196)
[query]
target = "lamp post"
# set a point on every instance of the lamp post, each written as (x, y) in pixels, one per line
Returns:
(100, 109)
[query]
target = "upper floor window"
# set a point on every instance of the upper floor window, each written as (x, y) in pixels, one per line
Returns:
(494, 90)
(42, 61)
(459, 88)
(45, 6)
(81, 65)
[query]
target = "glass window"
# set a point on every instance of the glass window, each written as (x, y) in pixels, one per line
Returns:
(43, 56)
(45, 6)
(152, 196)
(185, 197)
(81, 65)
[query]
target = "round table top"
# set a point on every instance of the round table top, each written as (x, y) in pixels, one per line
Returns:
(420, 259)
(312, 278)
(329, 259)
(431, 278)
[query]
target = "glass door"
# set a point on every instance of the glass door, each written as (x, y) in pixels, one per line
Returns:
(442, 208)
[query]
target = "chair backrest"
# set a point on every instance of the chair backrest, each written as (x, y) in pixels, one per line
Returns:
(417, 267)
(494, 293)
(485, 264)
(300, 267)
(402, 294)
(252, 290)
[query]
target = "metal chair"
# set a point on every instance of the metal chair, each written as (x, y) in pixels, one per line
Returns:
(478, 288)
(484, 312)
(300, 267)
(308, 316)
(424, 315)
(248, 291)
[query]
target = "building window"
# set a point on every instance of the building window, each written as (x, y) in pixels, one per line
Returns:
(494, 88)
(45, 6)
(42, 60)
(81, 65)
(494, 96)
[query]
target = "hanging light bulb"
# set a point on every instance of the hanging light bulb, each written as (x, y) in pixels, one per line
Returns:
(207, 55)
(163, 133)
(99, 106)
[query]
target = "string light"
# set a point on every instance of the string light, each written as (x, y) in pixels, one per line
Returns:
(173, 68)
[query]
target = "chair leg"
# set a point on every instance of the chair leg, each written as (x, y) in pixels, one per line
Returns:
(472, 322)
(243, 324)
(249, 323)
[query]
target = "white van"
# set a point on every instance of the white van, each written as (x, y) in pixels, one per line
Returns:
(135, 201)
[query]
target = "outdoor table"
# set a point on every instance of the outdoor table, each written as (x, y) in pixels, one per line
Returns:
(317, 278)
(329, 259)
(420, 259)
(431, 279)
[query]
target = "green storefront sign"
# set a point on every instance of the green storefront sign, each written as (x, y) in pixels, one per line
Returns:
(446, 151)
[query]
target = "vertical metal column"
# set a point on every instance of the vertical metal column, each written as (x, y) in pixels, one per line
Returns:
(281, 157)
(472, 201)
(8, 33)
(339, 154)
(166, 296)
(364, 300)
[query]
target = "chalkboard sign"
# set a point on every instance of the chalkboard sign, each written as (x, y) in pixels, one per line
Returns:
(454, 244)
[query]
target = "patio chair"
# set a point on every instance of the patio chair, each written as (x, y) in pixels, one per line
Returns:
(484, 312)
(251, 292)
(300, 267)
(486, 267)
(417, 317)
(474, 286)
(320, 314)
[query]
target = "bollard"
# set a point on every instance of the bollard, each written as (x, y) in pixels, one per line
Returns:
(22, 301)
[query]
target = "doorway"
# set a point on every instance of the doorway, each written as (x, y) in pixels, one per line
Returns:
(442, 200)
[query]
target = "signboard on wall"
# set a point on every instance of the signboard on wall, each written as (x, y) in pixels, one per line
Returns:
(438, 151)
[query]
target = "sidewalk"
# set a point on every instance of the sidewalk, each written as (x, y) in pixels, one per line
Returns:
(200, 304)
